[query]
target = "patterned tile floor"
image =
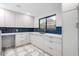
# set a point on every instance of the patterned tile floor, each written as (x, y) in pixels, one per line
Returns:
(27, 50)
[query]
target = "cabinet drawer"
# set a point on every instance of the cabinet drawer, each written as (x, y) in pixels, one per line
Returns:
(52, 50)
(52, 46)
(53, 42)
(20, 43)
(20, 36)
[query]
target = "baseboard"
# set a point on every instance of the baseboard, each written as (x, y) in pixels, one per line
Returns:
(22, 45)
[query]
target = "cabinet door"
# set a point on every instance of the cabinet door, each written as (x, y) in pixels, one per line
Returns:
(9, 19)
(21, 39)
(1, 17)
(37, 40)
(24, 20)
(27, 37)
(28, 21)
(40, 42)
(70, 35)
(19, 20)
(34, 39)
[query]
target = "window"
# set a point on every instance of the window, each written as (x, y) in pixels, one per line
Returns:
(47, 24)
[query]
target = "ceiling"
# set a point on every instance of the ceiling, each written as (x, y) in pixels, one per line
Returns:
(34, 9)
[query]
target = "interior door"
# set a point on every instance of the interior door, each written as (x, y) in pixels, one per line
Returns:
(70, 33)
(0, 44)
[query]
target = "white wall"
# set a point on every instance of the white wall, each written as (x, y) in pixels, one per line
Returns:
(70, 31)
(0, 44)
(57, 11)
(69, 6)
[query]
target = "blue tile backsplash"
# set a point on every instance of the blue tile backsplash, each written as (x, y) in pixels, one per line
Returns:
(58, 30)
(15, 29)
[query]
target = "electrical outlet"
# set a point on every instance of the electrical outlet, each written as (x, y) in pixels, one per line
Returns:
(17, 30)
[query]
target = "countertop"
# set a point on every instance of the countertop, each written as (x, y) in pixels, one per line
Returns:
(36, 33)
(47, 34)
(3, 34)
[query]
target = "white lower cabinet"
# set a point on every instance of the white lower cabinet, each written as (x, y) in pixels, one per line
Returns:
(36, 40)
(21, 39)
(51, 45)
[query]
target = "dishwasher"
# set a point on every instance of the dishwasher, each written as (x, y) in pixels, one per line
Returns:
(8, 41)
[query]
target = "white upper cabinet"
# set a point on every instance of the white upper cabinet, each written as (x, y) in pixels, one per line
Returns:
(19, 20)
(13, 19)
(28, 21)
(1, 17)
(9, 19)
(24, 20)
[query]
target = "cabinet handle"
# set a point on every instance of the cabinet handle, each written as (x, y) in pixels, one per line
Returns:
(50, 37)
(51, 48)
(55, 37)
(50, 41)
(40, 35)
